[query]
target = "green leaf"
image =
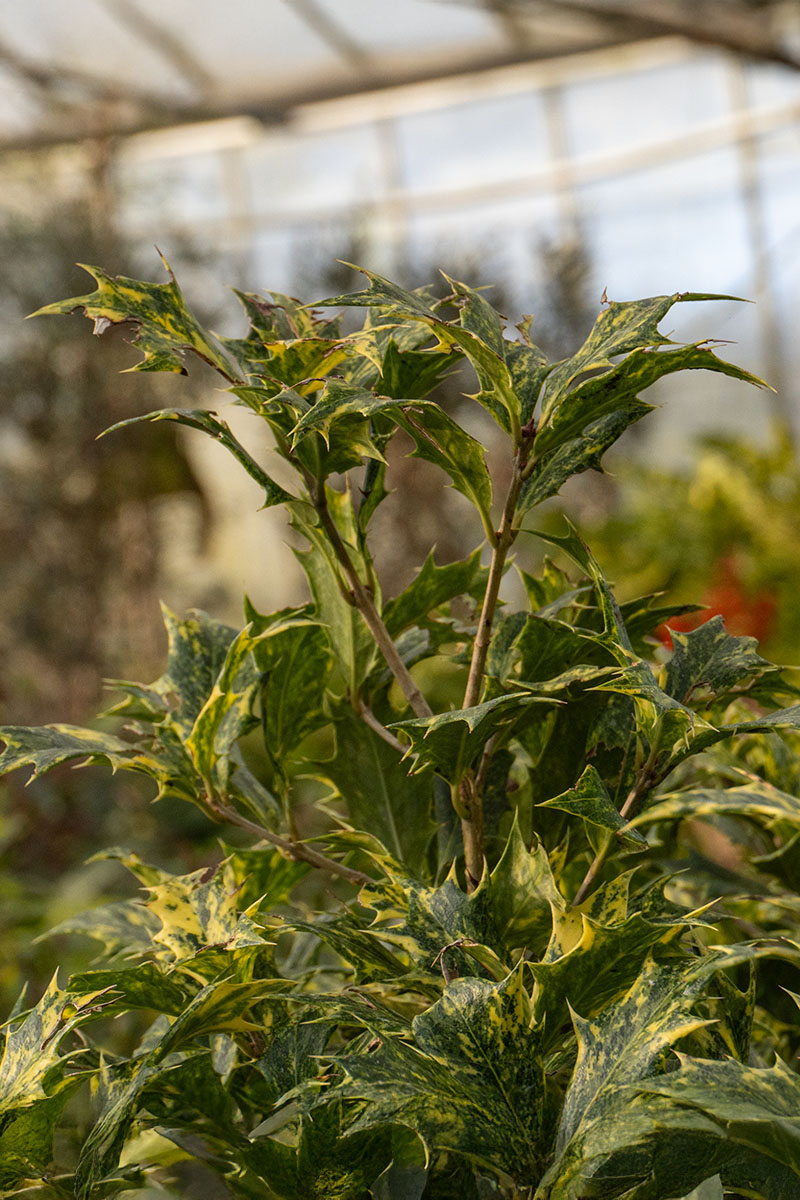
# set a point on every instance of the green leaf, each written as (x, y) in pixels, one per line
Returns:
(442, 930)
(226, 714)
(432, 587)
(123, 929)
(590, 800)
(548, 647)
(197, 912)
(219, 1007)
(708, 658)
(411, 374)
(592, 959)
(584, 452)
(522, 894)
(472, 1082)
(478, 322)
(32, 1066)
(165, 327)
(197, 652)
(294, 660)
(339, 399)
(381, 293)
(142, 986)
(439, 440)
(379, 793)
(617, 389)
(620, 329)
(736, 1120)
(618, 1048)
(210, 423)
(48, 746)
(350, 640)
(121, 1097)
(758, 800)
(451, 741)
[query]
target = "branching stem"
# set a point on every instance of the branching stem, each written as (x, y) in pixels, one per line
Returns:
(298, 851)
(365, 605)
(471, 785)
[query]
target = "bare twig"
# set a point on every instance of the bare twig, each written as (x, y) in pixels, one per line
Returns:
(645, 780)
(298, 851)
(471, 791)
(364, 603)
(369, 718)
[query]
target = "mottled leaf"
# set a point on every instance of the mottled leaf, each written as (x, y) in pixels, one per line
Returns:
(472, 1082)
(48, 746)
(432, 587)
(709, 658)
(439, 440)
(590, 800)
(584, 452)
(379, 793)
(451, 741)
(210, 423)
(165, 326)
(622, 328)
(522, 894)
(757, 800)
(617, 1048)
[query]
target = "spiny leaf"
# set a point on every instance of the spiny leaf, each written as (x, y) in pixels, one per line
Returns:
(593, 956)
(124, 929)
(165, 326)
(616, 1049)
(432, 587)
(620, 329)
(590, 800)
(32, 1066)
(522, 894)
(226, 713)
(473, 1082)
(735, 1120)
(197, 652)
(350, 640)
(381, 293)
(294, 660)
(210, 423)
(142, 986)
(584, 452)
(411, 374)
(757, 800)
(497, 391)
(197, 912)
(48, 746)
(379, 793)
(339, 399)
(440, 930)
(439, 440)
(613, 391)
(709, 658)
(451, 741)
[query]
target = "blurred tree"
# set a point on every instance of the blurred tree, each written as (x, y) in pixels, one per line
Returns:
(79, 572)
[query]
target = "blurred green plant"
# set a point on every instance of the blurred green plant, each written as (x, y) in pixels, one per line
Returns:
(469, 968)
(723, 531)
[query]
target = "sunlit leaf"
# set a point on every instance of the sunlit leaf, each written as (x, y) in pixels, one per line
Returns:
(165, 328)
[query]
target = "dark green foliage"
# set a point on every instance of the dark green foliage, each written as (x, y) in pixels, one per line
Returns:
(503, 987)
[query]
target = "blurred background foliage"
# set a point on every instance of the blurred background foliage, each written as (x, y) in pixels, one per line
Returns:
(549, 149)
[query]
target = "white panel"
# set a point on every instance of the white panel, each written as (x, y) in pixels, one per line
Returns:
(387, 27)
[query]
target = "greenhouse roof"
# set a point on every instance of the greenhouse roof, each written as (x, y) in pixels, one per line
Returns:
(95, 68)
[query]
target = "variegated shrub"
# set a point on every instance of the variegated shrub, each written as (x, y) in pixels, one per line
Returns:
(544, 951)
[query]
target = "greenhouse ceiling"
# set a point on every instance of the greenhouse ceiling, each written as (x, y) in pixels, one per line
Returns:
(99, 68)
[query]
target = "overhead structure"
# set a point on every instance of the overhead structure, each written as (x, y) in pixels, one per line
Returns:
(107, 68)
